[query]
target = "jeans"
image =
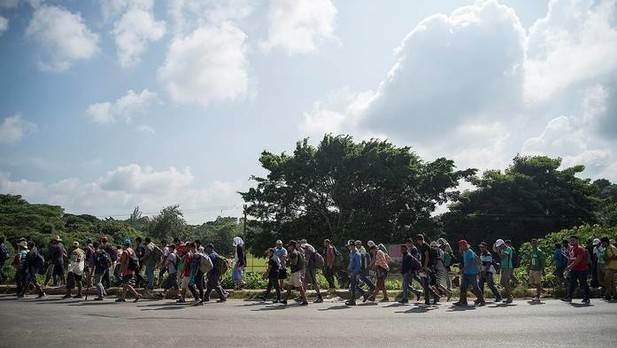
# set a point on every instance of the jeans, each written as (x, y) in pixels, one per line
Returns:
(172, 281)
(561, 280)
(470, 280)
(355, 290)
(214, 284)
(489, 278)
(197, 284)
(406, 286)
(150, 276)
(98, 282)
(579, 277)
(364, 278)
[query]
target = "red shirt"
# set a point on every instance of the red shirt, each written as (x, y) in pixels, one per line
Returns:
(575, 252)
(187, 264)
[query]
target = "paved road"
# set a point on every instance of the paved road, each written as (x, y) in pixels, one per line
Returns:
(52, 322)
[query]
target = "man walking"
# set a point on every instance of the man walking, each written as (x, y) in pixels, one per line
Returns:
(330, 255)
(536, 269)
(425, 259)
(76, 270)
(19, 262)
(102, 262)
(33, 264)
(354, 269)
(129, 264)
(470, 275)
(214, 276)
(409, 265)
(313, 263)
(487, 272)
(506, 268)
(579, 270)
(281, 253)
(58, 254)
(297, 265)
(561, 262)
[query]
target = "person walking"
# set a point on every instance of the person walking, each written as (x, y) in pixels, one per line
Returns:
(129, 265)
(578, 268)
(19, 262)
(281, 253)
(34, 263)
(470, 275)
(151, 257)
(214, 276)
(506, 268)
(57, 254)
(599, 252)
(113, 255)
(448, 260)
(314, 261)
(4, 255)
(425, 259)
(537, 261)
(272, 273)
(354, 269)
(610, 275)
(297, 265)
(330, 254)
(407, 266)
(102, 263)
(381, 265)
(560, 259)
(487, 272)
(76, 270)
(237, 273)
(365, 257)
(172, 276)
(439, 273)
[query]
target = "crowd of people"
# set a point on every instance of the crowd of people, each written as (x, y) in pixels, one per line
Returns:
(196, 270)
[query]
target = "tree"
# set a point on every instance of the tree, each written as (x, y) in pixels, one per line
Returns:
(342, 189)
(168, 224)
(529, 199)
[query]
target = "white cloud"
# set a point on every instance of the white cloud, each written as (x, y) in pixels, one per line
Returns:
(63, 36)
(14, 128)
(188, 15)
(299, 26)
(125, 187)
(123, 109)
(9, 3)
(575, 42)
(4, 25)
(144, 128)
(135, 29)
(207, 65)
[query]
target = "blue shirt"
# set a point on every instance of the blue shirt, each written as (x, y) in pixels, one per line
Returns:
(561, 261)
(355, 262)
(214, 273)
(469, 263)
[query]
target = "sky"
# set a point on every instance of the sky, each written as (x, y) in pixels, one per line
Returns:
(110, 104)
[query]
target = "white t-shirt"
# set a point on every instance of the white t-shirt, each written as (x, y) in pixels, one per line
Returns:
(76, 266)
(171, 263)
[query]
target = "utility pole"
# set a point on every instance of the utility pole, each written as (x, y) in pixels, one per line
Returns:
(244, 228)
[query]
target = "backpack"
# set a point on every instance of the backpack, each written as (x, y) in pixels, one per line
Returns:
(112, 252)
(205, 264)
(102, 260)
(318, 260)
(221, 264)
(447, 259)
(39, 262)
(516, 260)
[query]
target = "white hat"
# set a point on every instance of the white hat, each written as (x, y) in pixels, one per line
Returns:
(499, 242)
(370, 243)
(596, 241)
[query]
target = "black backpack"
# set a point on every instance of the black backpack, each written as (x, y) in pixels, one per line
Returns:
(102, 260)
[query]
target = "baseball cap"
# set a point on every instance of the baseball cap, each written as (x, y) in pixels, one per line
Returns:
(499, 242)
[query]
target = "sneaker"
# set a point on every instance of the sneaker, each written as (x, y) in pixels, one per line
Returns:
(304, 303)
(365, 298)
(566, 299)
(460, 304)
(498, 299)
(371, 298)
(481, 304)
(180, 300)
(350, 303)
(586, 301)
(137, 298)
(403, 301)
(284, 302)
(120, 300)
(66, 296)
(507, 301)
(41, 295)
(206, 299)
(98, 299)
(221, 300)
(198, 303)
(318, 300)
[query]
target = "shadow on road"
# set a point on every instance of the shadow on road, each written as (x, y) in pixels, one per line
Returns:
(94, 303)
(533, 303)
(268, 308)
(502, 305)
(419, 309)
(578, 305)
(461, 308)
(394, 305)
(332, 308)
(163, 308)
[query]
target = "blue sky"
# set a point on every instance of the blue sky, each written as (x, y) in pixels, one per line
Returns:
(106, 105)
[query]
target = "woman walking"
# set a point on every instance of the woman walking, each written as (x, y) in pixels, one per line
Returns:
(240, 263)
(380, 264)
(274, 265)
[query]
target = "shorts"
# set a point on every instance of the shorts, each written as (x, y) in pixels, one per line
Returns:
(535, 278)
(296, 279)
(283, 273)
(185, 282)
(127, 279)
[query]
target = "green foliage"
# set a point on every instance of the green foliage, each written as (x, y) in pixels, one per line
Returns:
(529, 199)
(342, 189)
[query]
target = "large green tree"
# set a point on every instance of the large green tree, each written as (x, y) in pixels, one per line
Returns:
(343, 189)
(529, 199)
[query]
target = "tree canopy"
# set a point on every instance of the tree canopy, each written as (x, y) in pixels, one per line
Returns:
(343, 189)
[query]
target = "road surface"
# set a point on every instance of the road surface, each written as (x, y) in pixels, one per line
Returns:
(53, 322)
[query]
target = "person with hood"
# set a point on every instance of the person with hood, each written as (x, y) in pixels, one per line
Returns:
(76, 270)
(237, 274)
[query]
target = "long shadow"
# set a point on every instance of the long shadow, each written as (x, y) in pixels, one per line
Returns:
(164, 308)
(12, 298)
(579, 305)
(260, 303)
(166, 304)
(61, 301)
(94, 303)
(332, 308)
(461, 308)
(502, 305)
(268, 308)
(535, 303)
(422, 309)
(394, 305)
(367, 304)
(48, 299)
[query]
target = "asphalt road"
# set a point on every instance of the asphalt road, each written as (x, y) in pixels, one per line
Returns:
(52, 322)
